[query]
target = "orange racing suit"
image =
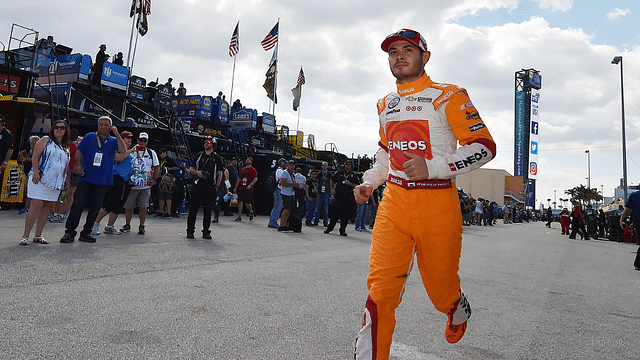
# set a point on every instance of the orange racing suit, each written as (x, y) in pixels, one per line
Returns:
(420, 219)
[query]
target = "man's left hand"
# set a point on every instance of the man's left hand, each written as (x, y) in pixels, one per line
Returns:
(415, 167)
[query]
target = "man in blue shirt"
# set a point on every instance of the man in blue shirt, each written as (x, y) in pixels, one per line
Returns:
(633, 207)
(94, 163)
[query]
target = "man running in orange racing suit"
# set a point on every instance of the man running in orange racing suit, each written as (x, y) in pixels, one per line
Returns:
(420, 127)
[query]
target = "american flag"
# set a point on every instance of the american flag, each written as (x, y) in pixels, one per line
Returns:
(147, 7)
(271, 39)
(234, 46)
(301, 77)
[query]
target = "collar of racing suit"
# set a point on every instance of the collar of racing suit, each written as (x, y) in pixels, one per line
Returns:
(415, 86)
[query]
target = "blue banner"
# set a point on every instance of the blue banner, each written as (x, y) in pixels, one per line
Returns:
(268, 123)
(61, 69)
(519, 146)
(115, 76)
(188, 106)
(85, 67)
(206, 108)
(61, 65)
(530, 194)
(137, 87)
(221, 111)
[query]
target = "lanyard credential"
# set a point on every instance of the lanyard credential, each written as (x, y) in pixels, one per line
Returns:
(97, 159)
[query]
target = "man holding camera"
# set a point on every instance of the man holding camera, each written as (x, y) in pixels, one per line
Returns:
(208, 175)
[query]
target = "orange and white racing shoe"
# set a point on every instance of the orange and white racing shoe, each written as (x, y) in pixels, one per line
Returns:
(457, 322)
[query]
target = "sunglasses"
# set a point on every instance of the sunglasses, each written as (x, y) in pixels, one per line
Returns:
(208, 142)
(143, 140)
(405, 34)
(59, 127)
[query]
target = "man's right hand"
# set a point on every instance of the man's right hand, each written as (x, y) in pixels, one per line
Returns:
(362, 193)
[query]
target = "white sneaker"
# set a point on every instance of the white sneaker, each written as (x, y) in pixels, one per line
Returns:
(95, 229)
(111, 230)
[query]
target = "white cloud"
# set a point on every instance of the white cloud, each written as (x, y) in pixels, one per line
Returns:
(618, 13)
(559, 5)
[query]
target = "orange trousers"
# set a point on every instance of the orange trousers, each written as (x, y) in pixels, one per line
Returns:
(426, 223)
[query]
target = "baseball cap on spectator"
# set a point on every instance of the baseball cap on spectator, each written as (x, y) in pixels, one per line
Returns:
(143, 135)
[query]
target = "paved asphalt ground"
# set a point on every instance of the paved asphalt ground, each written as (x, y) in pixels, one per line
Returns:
(254, 293)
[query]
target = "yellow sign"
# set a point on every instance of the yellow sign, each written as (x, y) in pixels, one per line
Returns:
(13, 183)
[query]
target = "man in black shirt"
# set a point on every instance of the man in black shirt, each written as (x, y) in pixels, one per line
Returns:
(119, 60)
(101, 57)
(342, 184)
(208, 170)
(324, 194)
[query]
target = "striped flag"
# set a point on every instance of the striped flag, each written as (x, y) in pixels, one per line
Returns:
(234, 46)
(297, 91)
(271, 39)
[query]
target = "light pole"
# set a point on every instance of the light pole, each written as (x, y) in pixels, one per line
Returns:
(615, 61)
(554, 199)
(588, 169)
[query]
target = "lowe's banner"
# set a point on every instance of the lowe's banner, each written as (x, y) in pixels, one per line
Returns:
(519, 146)
(533, 134)
(243, 119)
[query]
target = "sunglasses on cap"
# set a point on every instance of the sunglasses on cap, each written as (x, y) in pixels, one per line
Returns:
(208, 142)
(409, 34)
(59, 127)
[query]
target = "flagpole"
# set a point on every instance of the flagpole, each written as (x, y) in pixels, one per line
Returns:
(135, 47)
(233, 75)
(133, 24)
(275, 80)
(299, 105)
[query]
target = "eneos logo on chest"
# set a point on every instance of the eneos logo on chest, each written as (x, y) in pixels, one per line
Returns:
(409, 135)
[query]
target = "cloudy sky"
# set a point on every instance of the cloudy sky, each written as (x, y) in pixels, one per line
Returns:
(477, 44)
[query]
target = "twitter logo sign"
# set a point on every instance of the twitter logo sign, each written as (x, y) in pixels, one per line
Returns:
(534, 147)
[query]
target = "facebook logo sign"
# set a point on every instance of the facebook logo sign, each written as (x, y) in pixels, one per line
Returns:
(534, 147)
(534, 127)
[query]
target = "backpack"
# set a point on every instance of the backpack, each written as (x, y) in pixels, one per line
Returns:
(271, 183)
(167, 183)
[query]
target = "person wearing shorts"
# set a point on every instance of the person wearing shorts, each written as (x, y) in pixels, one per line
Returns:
(247, 178)
(141, 192)
(288, 183)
